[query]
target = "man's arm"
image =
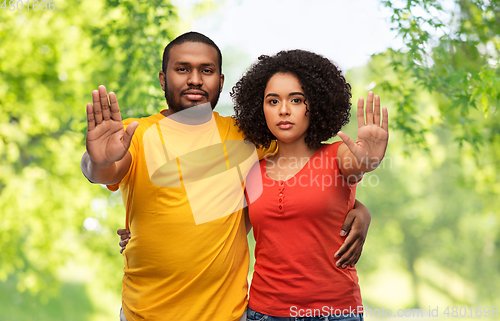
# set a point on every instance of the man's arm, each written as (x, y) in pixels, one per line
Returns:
(364, 155)
(355, 226)
(105, 174)
(107, 158)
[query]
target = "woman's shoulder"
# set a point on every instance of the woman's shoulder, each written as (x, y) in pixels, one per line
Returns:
(331, 148)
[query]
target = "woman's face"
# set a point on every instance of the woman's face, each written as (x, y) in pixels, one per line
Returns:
(285, 108)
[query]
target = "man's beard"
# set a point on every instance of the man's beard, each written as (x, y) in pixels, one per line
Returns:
(178, 106)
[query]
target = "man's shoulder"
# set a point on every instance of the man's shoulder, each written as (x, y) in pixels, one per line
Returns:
(144, 121)
(228, 127)
(224, 119)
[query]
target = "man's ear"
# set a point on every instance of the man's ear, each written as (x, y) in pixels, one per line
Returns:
(162, 78)
(221, 82)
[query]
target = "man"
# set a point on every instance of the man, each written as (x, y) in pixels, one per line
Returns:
(198, 271)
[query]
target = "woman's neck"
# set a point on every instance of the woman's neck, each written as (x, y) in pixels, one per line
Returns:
(296, 149)
(289, 160)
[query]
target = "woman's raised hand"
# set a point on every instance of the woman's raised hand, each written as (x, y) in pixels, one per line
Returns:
(373, 134)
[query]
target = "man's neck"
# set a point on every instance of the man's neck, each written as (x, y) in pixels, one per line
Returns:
(196, 115)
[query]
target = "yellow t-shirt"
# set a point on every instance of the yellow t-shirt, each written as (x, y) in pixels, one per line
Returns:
(188, 255)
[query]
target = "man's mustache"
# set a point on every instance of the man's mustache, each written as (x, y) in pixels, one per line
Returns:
(195, 89)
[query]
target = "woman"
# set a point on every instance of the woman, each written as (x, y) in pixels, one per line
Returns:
(301, 194)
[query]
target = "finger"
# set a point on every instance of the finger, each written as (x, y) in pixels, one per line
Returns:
(129, 132)
(123, 243)
(349, 256)
(385, 119)
(376, 111)
(344, 260)
(121, 250)
(346, 226)
(350, 261)
(355, 255)
(96, 102)
(340, 252)
(356, 258)
(103, 97)
(122, 231)
(369, 108)
(360, 112)
(345, 246)
(115, 109)
(348, 141)
(90, 117)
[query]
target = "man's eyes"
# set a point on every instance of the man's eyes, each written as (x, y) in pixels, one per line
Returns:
(205, 71)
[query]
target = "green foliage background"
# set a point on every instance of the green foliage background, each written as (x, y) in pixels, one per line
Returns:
(435, 202)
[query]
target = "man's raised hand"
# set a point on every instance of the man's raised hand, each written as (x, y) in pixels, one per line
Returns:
(106, 142)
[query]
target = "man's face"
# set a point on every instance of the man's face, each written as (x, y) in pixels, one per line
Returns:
(192, 76)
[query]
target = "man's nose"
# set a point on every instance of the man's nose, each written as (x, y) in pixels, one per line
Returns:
(195, 79)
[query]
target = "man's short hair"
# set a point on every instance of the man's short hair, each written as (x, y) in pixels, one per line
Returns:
(191, 36)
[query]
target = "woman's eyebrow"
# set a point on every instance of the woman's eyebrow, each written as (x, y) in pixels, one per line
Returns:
(290, 94)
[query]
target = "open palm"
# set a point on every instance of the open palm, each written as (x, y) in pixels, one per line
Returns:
(373, 135)
(107, 141)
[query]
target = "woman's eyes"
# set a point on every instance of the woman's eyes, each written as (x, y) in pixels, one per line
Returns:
(293, 100)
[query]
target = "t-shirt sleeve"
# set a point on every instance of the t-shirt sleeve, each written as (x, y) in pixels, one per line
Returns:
(133, 152)
(266, 152)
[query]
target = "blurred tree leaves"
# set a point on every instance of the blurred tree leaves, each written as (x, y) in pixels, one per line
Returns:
(438, 198)
(131, 43)
(436, 211)
(451, 48)
(50, 62)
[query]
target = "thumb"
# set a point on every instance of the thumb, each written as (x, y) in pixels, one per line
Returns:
(129, 132)
(347, 140)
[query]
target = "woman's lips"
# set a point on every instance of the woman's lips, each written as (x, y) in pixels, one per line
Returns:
(285, 125)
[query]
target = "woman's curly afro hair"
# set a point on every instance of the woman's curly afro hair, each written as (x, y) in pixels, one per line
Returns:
(327, 94)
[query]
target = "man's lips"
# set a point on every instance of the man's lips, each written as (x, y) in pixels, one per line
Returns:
(285, 125)
(195, 95)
